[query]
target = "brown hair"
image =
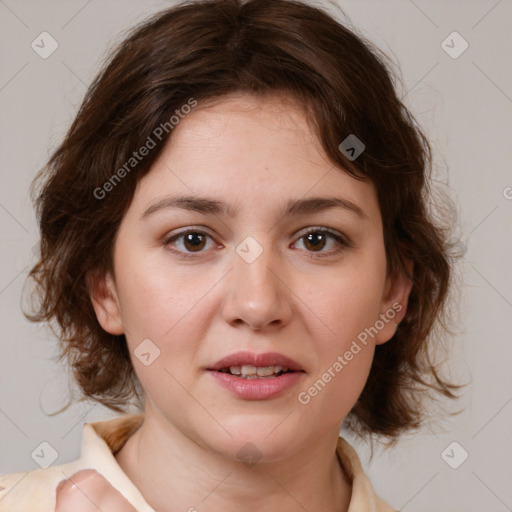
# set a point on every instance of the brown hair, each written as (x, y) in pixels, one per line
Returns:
(205, 50)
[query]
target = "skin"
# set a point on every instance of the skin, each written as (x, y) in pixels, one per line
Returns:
(88, 491)
(255, 154)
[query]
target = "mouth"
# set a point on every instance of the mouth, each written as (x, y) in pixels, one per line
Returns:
(252, 376)
(251, 365)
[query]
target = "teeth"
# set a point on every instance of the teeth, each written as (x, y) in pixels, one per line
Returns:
(253, 372)
(265, 371)
(248, 370)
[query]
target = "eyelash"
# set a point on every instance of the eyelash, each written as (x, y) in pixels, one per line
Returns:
(344, 243)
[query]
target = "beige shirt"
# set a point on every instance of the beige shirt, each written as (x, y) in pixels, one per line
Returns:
(34, 491)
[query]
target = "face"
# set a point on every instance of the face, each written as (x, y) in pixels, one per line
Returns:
(268, 270)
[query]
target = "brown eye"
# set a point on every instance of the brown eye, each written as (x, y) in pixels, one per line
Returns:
(194, 241)
(316, 240)
(188, 242)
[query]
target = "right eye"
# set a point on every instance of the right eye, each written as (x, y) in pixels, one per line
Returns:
(192, 242)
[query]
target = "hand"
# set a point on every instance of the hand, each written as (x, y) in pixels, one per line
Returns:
(88, 491)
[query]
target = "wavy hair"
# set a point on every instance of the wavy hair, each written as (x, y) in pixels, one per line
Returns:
(205, 50)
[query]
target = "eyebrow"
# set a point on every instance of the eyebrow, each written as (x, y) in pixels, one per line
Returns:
(209, 206)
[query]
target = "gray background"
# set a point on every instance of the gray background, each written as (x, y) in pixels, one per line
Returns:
(464, 104)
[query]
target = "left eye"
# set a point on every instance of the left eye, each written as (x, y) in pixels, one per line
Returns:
(315, 240)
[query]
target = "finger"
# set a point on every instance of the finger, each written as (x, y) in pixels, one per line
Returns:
(88, 491)
(70, 496)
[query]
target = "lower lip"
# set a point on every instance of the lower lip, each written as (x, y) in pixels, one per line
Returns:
(257, 389)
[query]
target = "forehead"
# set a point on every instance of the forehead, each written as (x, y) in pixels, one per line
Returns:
(273, 125)
(259, 152)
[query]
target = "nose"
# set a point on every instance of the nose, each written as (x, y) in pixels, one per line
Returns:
(256, 293)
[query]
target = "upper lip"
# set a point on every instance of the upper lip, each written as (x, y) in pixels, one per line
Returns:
(258, 360)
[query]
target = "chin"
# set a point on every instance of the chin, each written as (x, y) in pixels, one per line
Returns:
(266, 438)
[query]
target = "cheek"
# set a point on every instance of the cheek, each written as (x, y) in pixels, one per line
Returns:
(350, 301)
(345, 353)
(349, 306)
(169, 306)
(157, 297)
(332, 393)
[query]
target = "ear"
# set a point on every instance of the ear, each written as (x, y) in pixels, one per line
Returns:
(104, 298)
(394, 302)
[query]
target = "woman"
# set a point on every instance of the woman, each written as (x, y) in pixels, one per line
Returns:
(234, 234)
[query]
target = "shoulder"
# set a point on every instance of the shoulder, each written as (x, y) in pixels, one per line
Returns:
(33, 491)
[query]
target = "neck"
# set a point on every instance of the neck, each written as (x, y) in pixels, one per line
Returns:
(163, 462)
